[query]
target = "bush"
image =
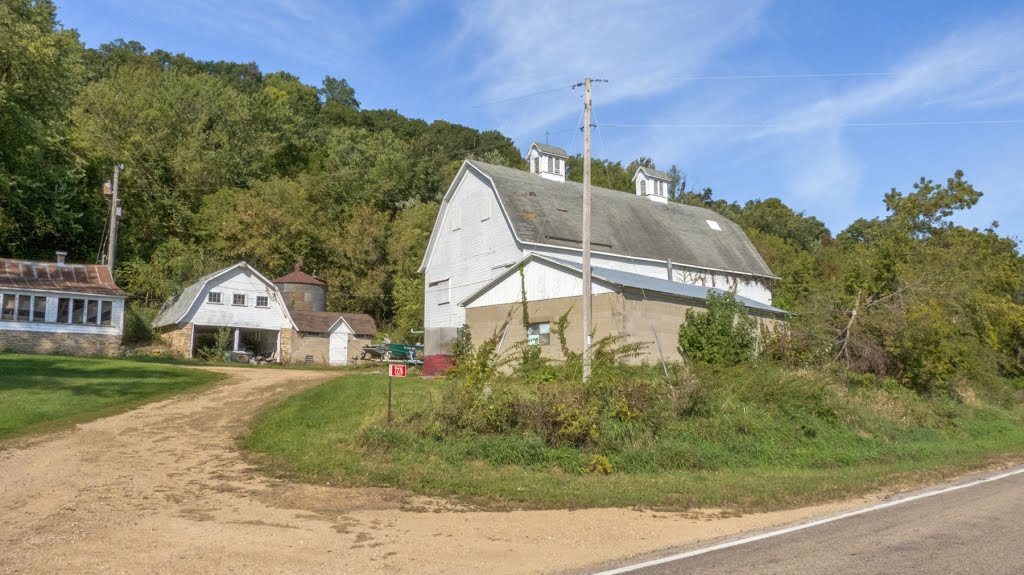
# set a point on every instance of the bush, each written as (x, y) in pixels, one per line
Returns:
(138, 330)
(723, 335)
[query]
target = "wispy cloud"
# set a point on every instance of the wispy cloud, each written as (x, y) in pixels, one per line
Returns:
(643, 47)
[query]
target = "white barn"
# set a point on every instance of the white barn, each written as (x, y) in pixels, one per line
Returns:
(492, 217)
(259, 317)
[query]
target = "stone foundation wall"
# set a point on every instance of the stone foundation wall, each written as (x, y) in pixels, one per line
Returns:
(287, 345)
(59, 343)
(179, 340)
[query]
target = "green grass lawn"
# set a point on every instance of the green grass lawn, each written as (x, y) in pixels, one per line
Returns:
(773, 441)
(41, 392)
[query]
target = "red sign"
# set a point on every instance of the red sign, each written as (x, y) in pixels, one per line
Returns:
(395, 370)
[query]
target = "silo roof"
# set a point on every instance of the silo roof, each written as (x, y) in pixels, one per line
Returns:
(297, 276)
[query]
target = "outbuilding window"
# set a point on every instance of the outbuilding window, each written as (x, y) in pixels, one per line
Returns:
(262, 301)
(643, 187)
(39, 309)
(8, 306)
(539, 333)
(213, 297)
(238, 299)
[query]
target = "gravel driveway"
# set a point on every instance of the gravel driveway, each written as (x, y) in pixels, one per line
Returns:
(162, 489)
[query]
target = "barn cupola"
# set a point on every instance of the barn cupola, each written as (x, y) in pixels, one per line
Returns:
(547, 161)
(652, 184)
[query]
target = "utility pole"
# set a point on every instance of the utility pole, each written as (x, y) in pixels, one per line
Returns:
(115, 213)
(587, 289)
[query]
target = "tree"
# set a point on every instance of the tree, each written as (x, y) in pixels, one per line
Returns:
(723, 335)
(44, 202)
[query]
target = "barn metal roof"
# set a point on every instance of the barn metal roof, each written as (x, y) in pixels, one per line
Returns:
(51, 276)
(661, 286)
(620, 280)
(550, 213)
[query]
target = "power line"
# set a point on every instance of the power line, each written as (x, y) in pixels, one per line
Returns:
(823, 75)
(522, 96)
(838, 124)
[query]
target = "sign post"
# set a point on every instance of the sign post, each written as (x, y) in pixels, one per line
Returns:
(394, 370)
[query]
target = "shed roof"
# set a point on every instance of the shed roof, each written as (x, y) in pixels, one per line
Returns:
(549, 213)
(324, 321)
(552, 150)
(51, 276)
(297, 276)
(625, 280)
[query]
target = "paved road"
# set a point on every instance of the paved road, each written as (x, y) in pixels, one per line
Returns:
(977, 530)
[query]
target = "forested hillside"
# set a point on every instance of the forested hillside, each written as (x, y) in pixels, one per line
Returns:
(223, 162)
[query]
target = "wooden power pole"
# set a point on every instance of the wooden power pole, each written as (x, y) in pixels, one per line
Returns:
(115, 213)
(587, 289)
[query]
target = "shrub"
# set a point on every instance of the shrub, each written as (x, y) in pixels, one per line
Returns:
(220, 346)
(722, 335)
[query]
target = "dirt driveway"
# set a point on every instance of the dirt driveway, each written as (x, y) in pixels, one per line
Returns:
(162, 489)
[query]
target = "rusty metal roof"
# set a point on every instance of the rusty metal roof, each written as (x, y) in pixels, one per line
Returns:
(297, 276)
(323, 321)
(51, 276)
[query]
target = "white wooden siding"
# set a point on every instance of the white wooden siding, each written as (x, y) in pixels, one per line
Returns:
(238, 281)
(466, 256)
(116, 326)
(542, 282)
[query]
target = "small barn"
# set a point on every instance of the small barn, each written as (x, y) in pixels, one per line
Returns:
(61, 308)
(635, 307)
(282, 320)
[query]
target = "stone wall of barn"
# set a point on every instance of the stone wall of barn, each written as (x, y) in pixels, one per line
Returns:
(178, 340)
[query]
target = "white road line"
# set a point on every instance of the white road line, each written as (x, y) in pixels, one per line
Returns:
(815, 523)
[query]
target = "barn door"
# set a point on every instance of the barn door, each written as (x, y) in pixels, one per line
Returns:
(338, 349)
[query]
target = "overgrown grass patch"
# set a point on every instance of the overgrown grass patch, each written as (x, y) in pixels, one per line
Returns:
(746, 438)
(40, 392)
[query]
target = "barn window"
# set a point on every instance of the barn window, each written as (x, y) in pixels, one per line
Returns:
(539, 333)
(443, 291)
(106, 312)
(92, 312)
(643, 187)
(213, 297)
(551, 164)
(262, 301)
(238, 299)
(39, 309)
(7, 309)
(558, 166)
(536, 164)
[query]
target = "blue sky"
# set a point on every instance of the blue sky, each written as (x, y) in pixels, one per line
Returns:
(752, 98)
